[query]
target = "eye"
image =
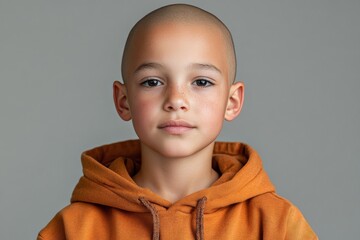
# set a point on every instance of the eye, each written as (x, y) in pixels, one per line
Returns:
(151, 83)
(203, 83)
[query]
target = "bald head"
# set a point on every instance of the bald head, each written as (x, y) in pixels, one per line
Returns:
(181, 13)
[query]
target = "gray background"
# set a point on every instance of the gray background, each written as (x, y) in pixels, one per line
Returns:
(300, 61)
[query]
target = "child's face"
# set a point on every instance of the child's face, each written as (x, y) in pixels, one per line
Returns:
(177, 87)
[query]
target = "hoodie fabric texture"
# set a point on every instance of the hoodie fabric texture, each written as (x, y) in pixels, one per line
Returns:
(242, 204)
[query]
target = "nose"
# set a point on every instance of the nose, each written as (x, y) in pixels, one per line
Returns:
(176, 99)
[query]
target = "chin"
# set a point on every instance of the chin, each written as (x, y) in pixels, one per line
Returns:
(172, 150)
(176, 154)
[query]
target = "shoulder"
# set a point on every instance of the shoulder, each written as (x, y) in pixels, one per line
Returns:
(71, 219)
(77, 208)
(279, 212)
(271, 205)
(270, 202)
(79, 211)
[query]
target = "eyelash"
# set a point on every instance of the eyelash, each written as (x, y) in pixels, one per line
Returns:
(207, 83)
(148, 83)
(155, 83)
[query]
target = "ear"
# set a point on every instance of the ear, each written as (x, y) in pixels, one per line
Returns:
(121, 100)
(235, 101)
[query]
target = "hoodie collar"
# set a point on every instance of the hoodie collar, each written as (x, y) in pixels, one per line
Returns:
(108, 169)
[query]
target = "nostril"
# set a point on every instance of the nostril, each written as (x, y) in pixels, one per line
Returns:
(175, 104)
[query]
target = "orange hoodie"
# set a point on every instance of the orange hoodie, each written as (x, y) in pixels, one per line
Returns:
(241, 204)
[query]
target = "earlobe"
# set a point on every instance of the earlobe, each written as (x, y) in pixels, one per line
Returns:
(235, 101)
(121, 100)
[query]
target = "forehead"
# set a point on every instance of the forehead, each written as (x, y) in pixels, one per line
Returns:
(175, 43)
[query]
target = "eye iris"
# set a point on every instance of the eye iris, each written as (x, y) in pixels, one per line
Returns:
(201, 82)
(152, 83)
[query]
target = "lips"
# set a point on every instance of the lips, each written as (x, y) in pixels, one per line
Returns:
(176, 127)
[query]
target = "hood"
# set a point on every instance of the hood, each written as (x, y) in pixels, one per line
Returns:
(108, 169)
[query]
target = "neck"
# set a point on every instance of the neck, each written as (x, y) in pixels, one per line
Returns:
(175, 178)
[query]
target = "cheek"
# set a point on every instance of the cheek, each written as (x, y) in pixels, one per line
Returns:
(212, 108)
(143, 110)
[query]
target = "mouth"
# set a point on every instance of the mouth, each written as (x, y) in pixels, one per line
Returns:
(176, 127)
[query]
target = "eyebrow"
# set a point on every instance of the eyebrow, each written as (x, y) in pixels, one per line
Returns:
(199, 66)
(205, 66)
(150, 65)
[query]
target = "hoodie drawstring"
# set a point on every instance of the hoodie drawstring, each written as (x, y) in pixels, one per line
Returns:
(200, 206)
(155, 215)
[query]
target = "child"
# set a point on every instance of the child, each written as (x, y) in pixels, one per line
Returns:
(175, 182)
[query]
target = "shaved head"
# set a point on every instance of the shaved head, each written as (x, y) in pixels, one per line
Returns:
(184, 14)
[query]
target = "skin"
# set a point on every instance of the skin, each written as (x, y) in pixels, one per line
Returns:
(185, 14)
(177, 93)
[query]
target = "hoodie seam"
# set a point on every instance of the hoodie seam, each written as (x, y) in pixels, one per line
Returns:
(40, 237)
(273, 194)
